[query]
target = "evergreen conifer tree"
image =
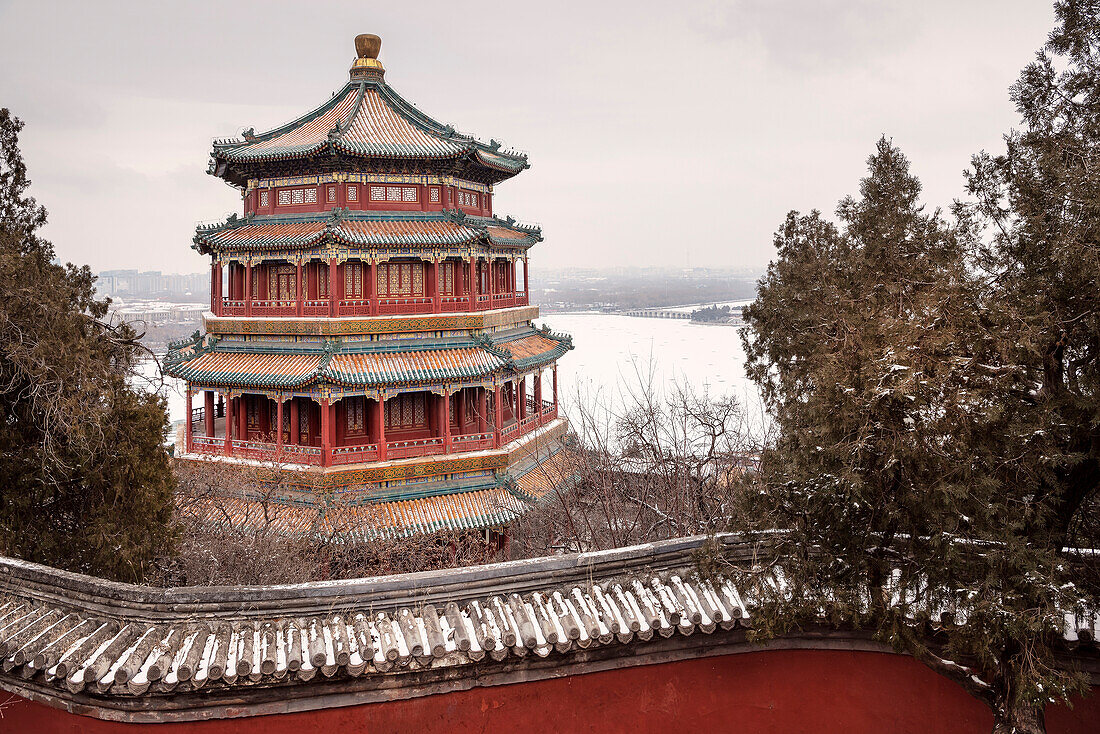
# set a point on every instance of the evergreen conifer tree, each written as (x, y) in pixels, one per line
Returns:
(85, 482)
(911, 497)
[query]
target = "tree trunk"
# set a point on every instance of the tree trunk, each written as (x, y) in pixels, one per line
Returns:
(1018, 719)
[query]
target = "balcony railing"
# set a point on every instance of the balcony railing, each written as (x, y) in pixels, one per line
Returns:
(454, 304)
(402, 449)
(355, 454)
(416, 447)
(355, 307)
(315, 308)
(472, 442)
(232, 308)
(274, 308)
(401, 306)
(310, 455)
(207, 445)
(509, 432)
(374, 306)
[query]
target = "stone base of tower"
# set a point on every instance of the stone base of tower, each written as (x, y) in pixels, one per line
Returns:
(480, 490)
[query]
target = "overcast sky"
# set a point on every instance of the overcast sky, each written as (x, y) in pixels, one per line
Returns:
(660, 133)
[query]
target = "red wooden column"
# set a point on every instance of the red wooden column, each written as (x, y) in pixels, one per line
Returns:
(526, 279)
(208, 413)
(380, 426)
(538, 394)
(216, 288)
(295, 439)
(229, 405)
(498, 414)
(187, 422)
(521, 397)
(242, 418)
(492, 283)
(298, 290)
(326, 431)
(445, 405)
(219, 303)
(371, 290)
(460, 411)
(482, 410)
(432, 290)
(248, 289)
(473, 283)
(333, 284)
(555, 386)
(279, 426)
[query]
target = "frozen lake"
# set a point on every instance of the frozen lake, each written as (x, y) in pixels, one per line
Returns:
(612, 354)
(611, 351)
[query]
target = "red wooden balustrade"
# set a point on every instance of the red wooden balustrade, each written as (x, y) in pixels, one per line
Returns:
(416, 447)
(374, 306)
(312, 455)
(354, 454)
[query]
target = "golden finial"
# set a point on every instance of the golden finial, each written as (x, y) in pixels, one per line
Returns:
(367, 65)
(367, 46)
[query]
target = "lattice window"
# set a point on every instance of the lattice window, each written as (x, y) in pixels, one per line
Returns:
(264, 198)
(400, 280)
(353, 193)
(377, 193)
(393, 193)
(433, 194)
(303, 424)
(322, 281)
(355, 416)
(380, 287)
(406, 411)
(446, 278)
(331, 194)
(353, 280)
(408, 193)
(297, 196)
(252, 413)
(394, 287)
(284, 284)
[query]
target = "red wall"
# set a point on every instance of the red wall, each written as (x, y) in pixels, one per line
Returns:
(780, 691)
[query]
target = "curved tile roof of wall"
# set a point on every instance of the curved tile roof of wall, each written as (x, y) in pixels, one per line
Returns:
(357, 229)
(131, 650)
(367, 119)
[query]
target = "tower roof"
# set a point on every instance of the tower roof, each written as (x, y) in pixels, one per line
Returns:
(366, 119)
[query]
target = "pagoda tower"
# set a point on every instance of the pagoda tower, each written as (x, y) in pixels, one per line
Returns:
(368, 329)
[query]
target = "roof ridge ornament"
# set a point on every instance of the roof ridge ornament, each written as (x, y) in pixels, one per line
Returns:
(366, 66)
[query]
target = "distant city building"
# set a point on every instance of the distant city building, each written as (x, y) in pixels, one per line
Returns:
(152, 283)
